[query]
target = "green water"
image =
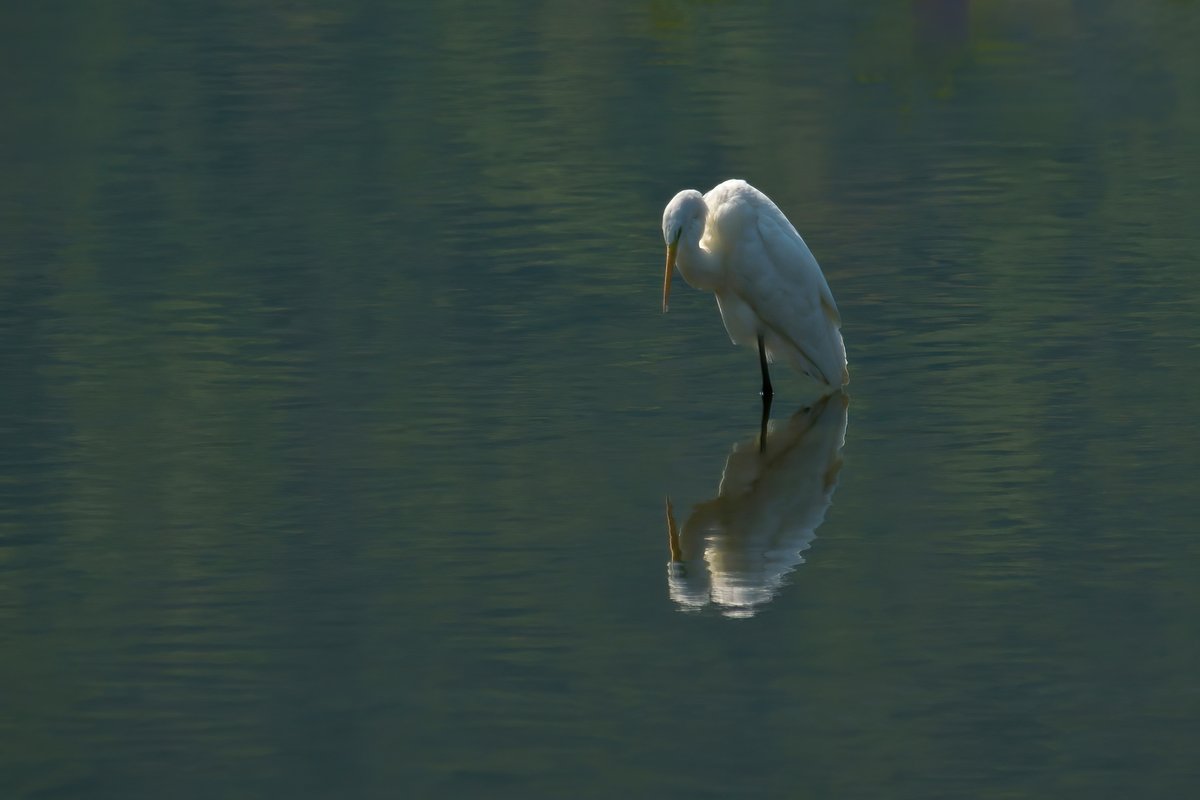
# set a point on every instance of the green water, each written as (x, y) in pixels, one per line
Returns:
(338, 417)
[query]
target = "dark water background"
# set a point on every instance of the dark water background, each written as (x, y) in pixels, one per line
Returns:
(338, 415)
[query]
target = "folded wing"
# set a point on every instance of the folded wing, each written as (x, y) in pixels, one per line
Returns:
(779, 277)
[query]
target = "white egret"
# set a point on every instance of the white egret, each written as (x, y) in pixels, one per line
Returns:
(770, 290)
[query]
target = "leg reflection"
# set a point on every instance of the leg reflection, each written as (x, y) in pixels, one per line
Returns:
(762, 428)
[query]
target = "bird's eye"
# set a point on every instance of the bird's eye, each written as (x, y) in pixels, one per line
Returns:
(678, 233)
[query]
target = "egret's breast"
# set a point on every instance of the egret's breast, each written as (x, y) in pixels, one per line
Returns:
(740, 320)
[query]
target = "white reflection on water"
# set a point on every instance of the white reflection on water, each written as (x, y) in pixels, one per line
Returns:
(735, 549)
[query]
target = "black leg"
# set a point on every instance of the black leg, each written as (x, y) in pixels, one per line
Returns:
(762, 362)
(762, 428)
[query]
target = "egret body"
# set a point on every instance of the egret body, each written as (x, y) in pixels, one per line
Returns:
(737, 244)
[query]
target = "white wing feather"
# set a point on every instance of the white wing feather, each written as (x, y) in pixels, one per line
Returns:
(772, 271)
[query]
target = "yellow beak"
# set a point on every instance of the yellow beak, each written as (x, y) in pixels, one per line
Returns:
(671, 248)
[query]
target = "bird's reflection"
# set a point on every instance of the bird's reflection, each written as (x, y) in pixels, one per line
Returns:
(735, 549)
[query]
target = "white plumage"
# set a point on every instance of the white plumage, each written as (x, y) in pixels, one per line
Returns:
(771, 292)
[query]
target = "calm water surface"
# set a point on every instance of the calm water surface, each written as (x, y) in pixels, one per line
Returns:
(340, 422)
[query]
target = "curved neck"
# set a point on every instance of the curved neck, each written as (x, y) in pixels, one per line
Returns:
(700, 268)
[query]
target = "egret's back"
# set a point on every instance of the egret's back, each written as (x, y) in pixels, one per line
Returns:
(773, 286)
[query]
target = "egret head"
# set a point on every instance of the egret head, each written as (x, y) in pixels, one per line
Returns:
(683, 219)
